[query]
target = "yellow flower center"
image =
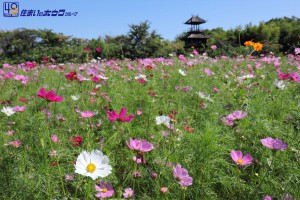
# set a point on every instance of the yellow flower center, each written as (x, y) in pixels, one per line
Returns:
(240, 161)
(91, 167)
(104, 190)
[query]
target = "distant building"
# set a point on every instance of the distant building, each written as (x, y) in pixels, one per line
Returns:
(194, 38)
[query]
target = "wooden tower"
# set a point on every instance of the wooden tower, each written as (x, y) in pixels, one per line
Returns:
(194, 38)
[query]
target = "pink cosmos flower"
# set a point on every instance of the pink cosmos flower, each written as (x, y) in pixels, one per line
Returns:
(297, 51)
(105, 190)
(195, 52)
(49, 96)
(295, 77)
(237, 156)
(114, 116)
(139, 145)
(236, 115)
(181, 57)
(129, 193)
(54, 138)
(15, 143)
(227, 121)
(30, 64)
(274, 143)
(267, 198)
(215, 89)
(208, 72)
(87, 114)
(182, 176)
(213, 47)
(19, 108)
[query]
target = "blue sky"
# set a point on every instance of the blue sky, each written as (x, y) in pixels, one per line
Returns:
(107, 17)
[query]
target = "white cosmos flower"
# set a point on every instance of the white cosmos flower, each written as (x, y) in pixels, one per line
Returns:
(202, 96)
(162, 120)
(74, 97)
(93, 164)
(182, 72)
(103, 77)
(141, 76)
(279, 84)
(8, 110)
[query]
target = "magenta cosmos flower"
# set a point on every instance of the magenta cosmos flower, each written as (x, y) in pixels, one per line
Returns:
(237, 156)
(114, 116)
(49, 96)
(104, 189)
(274, 143)
(139, 145)
(182, 176)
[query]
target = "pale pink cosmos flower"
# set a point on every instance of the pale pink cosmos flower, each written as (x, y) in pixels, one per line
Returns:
(103, 94)
(104, 189)
(237, 115)
(237, 156)
(213, 47)
(49, 96)
(22, 78)
(182, 176)
(274, 143)
(11, 132)
(139, 145)
(137, 174)
(297, 51)
(208, 72)
(139, 111)
(15, 143)
(19, 108)
(215, 89)
(114, 116)
(87, 114)
(129, 193)
(227, 121)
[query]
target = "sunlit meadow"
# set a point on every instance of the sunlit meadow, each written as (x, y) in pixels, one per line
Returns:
(183, 127)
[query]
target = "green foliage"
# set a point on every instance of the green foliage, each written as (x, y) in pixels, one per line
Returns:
(278, 35)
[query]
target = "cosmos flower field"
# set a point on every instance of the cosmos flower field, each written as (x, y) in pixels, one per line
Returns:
(184, 127)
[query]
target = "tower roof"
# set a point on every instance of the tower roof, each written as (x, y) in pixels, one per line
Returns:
(195, 36)
(195, 20)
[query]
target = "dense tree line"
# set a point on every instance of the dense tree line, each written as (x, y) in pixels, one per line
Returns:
(278, 35)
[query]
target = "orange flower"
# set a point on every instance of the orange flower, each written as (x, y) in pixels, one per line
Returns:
(257, 46)
(249, 43)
